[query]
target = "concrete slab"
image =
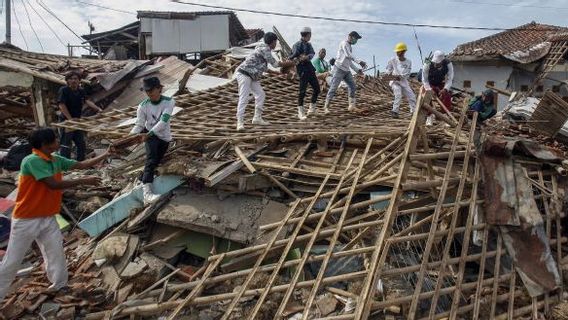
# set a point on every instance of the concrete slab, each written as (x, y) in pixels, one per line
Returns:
(236, 218)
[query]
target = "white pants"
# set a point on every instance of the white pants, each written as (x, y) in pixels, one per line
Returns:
(246, 86)
(399, 89)
(45, 231)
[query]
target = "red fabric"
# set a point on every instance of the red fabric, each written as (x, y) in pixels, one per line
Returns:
(444, 96)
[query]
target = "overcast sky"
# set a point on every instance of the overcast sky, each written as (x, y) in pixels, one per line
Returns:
(378, 40)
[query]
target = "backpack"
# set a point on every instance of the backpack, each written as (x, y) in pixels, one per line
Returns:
(17, 152)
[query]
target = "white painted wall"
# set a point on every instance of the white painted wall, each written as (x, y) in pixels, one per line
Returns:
(204, 33)
(479, 75)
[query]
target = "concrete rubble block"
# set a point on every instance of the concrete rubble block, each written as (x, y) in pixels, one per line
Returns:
(134, 269)
(111, 249)
(326, 304)
(235, 218)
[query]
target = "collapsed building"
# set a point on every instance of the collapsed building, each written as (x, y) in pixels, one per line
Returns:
(342, 216)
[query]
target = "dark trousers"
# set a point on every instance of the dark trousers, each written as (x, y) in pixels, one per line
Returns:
(312, 79)
(77, 137)
(156, 148)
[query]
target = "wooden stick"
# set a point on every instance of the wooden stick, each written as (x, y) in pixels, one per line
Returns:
(367, 292)
(283, 256)
(244, 159)
(197, 288)
(333, 241)
(308, 247)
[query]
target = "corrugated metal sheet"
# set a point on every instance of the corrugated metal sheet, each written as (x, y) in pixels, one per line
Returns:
(510, 204)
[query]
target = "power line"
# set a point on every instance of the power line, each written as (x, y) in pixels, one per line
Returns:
(44, 6)
(31, 26)
(19, 27)
(107, 8)
(47, 24)
(510, 5)
(400, 24)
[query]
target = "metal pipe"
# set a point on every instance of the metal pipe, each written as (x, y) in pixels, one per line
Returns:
(8, 10)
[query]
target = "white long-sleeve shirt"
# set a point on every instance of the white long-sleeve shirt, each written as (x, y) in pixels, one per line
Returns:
(155, 117)
(449, 76)
(400, 68)
(345, 59)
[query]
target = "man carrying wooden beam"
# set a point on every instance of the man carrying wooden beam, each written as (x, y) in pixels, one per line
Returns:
(302, 54)
(71, 99)
(437, 76)
(40, 192)
(344, 62)
(153, 126)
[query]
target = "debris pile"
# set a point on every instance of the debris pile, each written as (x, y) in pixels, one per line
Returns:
(341, 216)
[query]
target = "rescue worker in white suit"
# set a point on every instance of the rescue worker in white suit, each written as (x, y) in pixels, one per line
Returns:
(400, 66)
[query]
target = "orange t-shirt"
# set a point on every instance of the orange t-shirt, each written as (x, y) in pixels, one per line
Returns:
(35, 199)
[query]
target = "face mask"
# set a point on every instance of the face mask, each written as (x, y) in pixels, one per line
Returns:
(354, 41)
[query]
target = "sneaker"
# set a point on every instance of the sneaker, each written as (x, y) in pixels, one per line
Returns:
(301, 114)
(312, 108)
(259, 121)
(240, 126)
(394, 114)
(149, 196)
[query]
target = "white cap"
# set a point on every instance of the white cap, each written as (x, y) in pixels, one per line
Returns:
(438, 56)
(306, 29)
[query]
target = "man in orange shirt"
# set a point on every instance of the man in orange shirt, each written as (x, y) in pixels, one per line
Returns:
(39, 200)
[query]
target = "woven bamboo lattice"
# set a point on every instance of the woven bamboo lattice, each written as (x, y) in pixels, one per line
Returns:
(414, 252)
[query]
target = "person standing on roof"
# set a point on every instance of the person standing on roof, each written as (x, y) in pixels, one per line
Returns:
(344, 62)
(401, 67)
(153, 127)
(248, 76)
(437, 76)
(302, 54)
(40, 192)
(71, 99)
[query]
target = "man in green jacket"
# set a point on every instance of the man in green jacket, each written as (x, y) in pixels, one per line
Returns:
(483, 105)
(319, 62)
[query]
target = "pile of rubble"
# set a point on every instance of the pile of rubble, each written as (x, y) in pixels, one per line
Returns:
(342, 216)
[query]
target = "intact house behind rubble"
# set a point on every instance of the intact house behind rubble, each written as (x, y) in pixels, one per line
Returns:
(191, 35)
(511, 60)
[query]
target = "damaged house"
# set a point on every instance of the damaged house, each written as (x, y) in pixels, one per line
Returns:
(188, 35)
(512, 59)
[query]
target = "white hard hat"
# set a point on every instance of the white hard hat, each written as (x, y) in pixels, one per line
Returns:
(438, 56)
(306, 30)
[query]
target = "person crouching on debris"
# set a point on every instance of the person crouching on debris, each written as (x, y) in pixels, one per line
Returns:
(437, 76)
(342, 71)
(40, 192)
(484, 105)
(302, 54)
(71, 99)
(248, 77)
(153, 127)
(400, 66)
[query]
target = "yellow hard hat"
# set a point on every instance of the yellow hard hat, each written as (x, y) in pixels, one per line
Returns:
(401, 46)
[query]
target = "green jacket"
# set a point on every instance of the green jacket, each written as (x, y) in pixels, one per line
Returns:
(485, 110)
(320, 65)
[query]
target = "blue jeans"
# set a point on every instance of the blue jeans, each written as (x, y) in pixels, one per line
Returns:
(338, 76)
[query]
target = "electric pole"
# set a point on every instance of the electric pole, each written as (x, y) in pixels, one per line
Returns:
(8, 11)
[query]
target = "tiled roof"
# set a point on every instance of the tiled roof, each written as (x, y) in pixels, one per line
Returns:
(525, 39)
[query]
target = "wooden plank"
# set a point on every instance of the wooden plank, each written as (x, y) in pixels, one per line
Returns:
(244, 159)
